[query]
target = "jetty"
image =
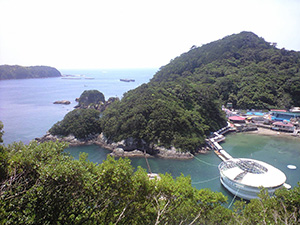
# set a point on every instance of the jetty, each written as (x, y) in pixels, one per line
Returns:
(216, 137)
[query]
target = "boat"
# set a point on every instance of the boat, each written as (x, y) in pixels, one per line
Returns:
(127, 80)
(245, 177)
(71, 77)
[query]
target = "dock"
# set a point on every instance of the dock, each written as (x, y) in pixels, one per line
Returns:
(213, 142)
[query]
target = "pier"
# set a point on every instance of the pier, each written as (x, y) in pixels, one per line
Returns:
(213, 142)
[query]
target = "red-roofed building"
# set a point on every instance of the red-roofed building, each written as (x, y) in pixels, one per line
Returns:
(237, 119)
(278, 110)
(283, 126)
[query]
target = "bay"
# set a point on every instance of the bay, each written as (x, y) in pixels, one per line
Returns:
(203, 169)
(26, 105)
(27, 111)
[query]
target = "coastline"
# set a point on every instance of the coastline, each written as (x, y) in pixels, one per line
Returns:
(270, 132)
(118, 149)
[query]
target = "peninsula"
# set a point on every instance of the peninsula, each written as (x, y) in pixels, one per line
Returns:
(181, 105)
(21, 72)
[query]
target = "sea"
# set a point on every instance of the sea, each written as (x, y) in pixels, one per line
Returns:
(27, 111)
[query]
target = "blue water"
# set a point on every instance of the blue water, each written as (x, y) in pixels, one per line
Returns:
(203, 169)
(27, 111)
(26, 106)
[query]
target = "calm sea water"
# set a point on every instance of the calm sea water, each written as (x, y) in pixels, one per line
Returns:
(203, 169)
(27, 111)
(26, 106)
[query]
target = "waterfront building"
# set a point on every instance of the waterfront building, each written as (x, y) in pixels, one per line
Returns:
(281, 116)
(237, 119)
(283, 126)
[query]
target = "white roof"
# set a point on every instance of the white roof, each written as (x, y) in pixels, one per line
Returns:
(252, 173)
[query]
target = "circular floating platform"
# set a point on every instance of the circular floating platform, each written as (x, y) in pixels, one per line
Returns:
(292, 167)
(245, 177)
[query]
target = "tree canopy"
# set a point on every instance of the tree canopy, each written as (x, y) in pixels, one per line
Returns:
(80, 122)
(177, 114)
(243, 68)
(41, 184)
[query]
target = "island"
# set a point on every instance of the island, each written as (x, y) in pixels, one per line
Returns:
(21, 72)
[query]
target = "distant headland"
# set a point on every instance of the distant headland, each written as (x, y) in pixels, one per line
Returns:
(21, 72)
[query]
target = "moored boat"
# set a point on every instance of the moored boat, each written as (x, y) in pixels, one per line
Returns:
(127, 80)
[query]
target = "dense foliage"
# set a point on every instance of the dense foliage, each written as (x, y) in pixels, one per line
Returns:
(90, 98)
(243, 69)
(43, 185)
(177, 114)
(21, 72)
(80, 122)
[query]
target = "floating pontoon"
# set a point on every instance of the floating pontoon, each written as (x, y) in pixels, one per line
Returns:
(245, 177)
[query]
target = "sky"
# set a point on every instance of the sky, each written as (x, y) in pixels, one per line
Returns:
(90, 34)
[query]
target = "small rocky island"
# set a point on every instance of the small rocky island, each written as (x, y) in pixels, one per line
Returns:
(21, 72)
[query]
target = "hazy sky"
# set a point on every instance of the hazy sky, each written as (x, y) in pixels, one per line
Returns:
(133, 33)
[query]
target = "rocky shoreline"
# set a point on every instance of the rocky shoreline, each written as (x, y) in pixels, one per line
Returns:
(125, 148)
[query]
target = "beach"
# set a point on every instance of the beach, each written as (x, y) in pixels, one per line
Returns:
(270, 132)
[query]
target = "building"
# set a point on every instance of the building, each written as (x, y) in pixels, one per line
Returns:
(237, 119)
(283, 126)
(281, 116)
(245, 177)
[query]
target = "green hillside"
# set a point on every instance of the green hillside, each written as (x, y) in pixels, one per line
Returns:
(21, 72)
(243, 68)
(181, 105)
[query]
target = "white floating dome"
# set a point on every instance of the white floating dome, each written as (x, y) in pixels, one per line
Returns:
(244, 177)
(292, 167)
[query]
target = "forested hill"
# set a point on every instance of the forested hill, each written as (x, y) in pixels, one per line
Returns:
(181, 105)
(21, 72)
(243, 68)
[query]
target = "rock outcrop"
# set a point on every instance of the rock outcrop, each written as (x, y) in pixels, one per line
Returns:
(125, 148)
(95, 100)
